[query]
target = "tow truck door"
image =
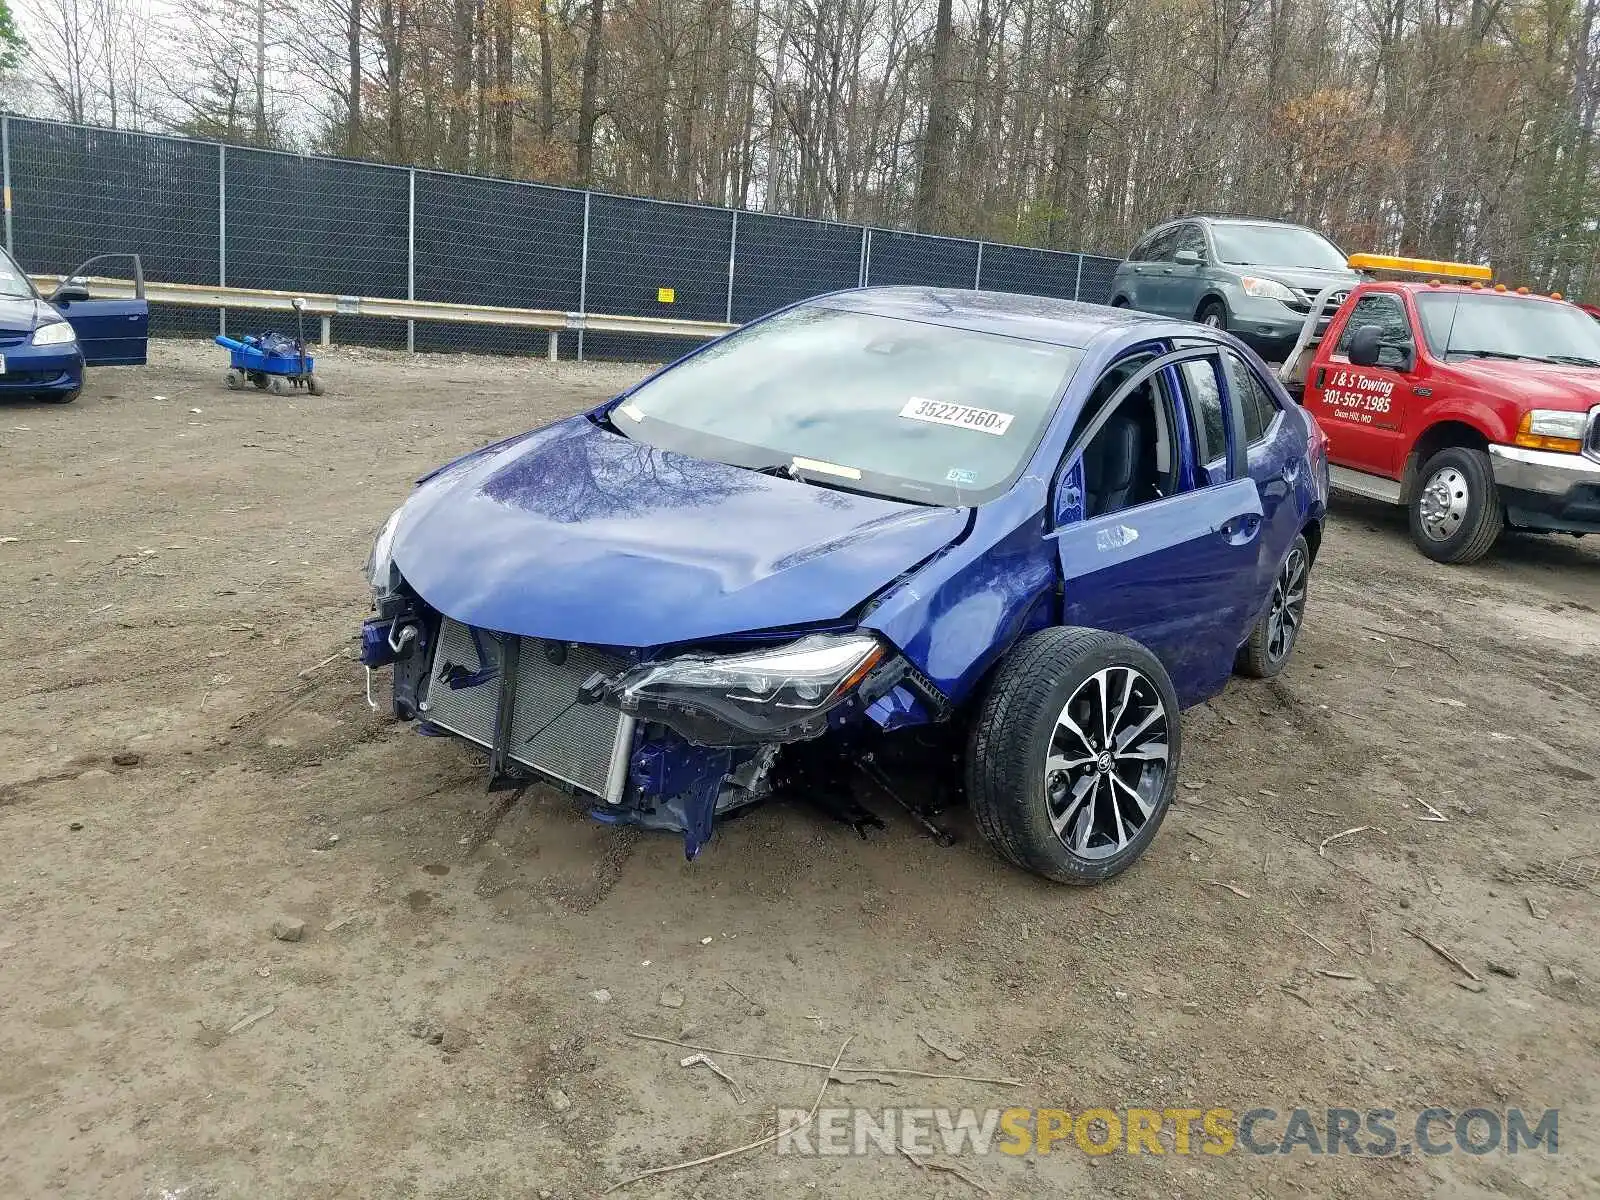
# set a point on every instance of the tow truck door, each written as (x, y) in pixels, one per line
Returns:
(1362, 408)
(111, 330)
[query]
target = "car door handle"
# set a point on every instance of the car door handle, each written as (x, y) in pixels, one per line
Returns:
(1242, 529)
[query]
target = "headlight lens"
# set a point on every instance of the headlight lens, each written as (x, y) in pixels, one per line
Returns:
(779, 693)
(380, 566)
(1552, 429)
(1267, 289)
(56, 333)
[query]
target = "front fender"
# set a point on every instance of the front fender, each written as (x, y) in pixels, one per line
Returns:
(955, 617)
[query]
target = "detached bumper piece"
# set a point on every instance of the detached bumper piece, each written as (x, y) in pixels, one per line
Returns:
(1548, 491)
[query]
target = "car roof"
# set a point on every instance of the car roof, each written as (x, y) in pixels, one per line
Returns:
(1242, 220)
(1036, 318)
(1224, 219)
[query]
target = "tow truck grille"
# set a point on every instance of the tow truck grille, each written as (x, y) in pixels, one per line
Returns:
(1591, 442)
(585, 745)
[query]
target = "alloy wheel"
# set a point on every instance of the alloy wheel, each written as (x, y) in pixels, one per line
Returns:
(1107, 762)
(1288, 605)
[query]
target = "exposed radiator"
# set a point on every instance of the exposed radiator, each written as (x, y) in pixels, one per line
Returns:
(587, 745)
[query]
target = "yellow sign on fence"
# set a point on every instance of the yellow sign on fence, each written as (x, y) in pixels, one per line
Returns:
(666, 295)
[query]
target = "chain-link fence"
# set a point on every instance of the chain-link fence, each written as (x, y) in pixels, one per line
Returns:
(203, 213)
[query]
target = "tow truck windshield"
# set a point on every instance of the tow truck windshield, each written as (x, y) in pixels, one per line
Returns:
(1491, 325)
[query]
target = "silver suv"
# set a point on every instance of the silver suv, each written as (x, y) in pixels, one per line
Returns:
(1253, 277)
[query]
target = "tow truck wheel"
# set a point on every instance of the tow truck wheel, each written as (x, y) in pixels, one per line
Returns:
(1456, 513)
(1072, 757)
(1272, 640)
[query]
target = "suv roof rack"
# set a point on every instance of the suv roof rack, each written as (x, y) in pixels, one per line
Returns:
(1223, 215)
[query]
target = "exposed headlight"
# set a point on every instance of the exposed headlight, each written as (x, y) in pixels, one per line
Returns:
(776, 694)
(1552, 429)
(1267, 289)
(56, 333)
(380, 570)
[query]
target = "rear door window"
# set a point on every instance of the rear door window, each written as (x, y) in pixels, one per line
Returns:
(1210, 427)
(1255, 402)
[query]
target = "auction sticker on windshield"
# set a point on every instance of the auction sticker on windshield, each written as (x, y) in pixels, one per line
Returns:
(962, 416)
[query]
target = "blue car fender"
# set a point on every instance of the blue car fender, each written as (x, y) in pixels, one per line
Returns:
(957, 616)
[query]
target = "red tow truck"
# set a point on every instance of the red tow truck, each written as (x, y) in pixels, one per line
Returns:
(1475, 406)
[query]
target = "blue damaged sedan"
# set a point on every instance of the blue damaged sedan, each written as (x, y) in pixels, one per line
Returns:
(896, 543)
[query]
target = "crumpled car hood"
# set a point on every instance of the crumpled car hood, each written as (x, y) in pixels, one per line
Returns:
(577, 534)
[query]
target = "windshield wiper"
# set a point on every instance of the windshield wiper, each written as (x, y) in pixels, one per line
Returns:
(1571, 360)
(1505, 354)
(605, 422)
(788, 470)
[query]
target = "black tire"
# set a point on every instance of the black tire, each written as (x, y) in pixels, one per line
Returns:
(1016, 728)
(261, 380)
(1273, 639)
(1213, 312)
(314, 385)
(1456, 513)
(61, 397)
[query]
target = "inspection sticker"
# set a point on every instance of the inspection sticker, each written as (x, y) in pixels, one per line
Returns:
(963, 416)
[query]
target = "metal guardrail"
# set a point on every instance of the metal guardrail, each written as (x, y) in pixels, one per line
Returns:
(326, 306)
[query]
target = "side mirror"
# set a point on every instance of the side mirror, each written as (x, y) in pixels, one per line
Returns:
(1368, 349)
(68, 293)
(1366, 345)
(1402, 356)
(1188, 258)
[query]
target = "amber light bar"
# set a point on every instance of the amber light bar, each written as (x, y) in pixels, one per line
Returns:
(1420, 266)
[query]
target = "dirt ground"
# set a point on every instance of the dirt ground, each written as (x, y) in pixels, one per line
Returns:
(185, 765)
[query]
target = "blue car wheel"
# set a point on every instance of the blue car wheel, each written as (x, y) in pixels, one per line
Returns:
(1072, 759)
(1273, 639)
